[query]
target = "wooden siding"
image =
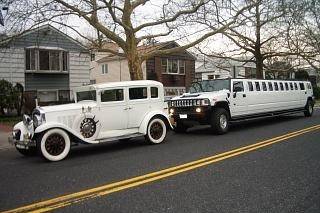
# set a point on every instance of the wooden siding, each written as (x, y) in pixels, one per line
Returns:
(46, 37)
(79, 69)
(39, 81)
(12, 65)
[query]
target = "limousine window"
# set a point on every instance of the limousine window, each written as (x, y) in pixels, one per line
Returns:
(287, 86)
(112, 95)
(281, 86)
(295, 86)
(270, 86)
(291, 86)
(257, 86)
(302, 86)
(309, 85)
(138, 93)
(238, 86)
(264, 86)
(250, 86)
(210, 86)
(276, 87)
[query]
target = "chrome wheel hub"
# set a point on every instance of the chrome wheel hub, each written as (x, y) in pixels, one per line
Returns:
(223, 121)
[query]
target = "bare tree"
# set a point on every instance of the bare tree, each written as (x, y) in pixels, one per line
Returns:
(303, 32)
(259, 35)
(129, 23)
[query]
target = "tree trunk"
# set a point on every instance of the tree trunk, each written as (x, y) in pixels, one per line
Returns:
(259, 67)
(135, 67)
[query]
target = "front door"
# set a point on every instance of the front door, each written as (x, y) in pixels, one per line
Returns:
(238, 103)
(138, 105)
(113, 110)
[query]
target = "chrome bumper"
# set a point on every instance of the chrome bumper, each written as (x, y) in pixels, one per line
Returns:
(25, 144)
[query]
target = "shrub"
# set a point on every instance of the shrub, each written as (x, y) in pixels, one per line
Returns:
(316, 92)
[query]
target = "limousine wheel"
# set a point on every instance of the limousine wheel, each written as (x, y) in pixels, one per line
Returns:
(309, 109)
(220, 121)
(54, 145)
(180, 127)
(157, 131)
(32, 151)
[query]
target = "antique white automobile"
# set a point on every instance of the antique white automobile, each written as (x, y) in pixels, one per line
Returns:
(101, 113)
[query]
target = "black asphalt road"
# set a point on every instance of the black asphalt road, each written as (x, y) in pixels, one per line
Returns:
(283, 177)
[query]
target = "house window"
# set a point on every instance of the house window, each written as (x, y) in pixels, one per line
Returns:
(104, 69)
(173, 66)
(92, 57)
(30, 59)
(182, 67)
(211, 77)
(47, 96)
(64, 95)
(46, 60)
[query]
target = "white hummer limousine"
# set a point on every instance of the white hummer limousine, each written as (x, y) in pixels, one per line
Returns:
(101, 112)
(221, 101)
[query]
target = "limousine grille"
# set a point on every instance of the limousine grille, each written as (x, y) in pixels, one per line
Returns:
(189, 103)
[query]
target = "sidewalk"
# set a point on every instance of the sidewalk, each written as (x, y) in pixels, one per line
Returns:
(5, 132)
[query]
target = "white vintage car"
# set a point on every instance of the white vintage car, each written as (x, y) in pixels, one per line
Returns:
(101, 113)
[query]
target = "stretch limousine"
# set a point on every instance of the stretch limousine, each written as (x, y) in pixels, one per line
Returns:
(217, 102)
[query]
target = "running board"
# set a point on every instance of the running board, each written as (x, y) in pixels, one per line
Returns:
(120, 137)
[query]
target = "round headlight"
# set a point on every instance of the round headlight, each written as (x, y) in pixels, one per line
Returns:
(36, 120)
(26, 120)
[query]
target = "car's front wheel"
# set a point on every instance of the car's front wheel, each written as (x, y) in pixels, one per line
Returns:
(54, 145)
(220, 121)
(156, 131)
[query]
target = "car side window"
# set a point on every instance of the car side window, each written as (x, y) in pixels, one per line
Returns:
(276, 87)
(264, 86)
(112, 95)
(138, 93)
(154, 92)
(295, 86)
(250, 85)
(270, 86)
(281, 86)
(238, 86)
(287, 86)
(257, 86)
(302, 86)
(291, 86)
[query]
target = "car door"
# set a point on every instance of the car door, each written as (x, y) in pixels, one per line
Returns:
(238, 99)
(113, 109)
(138, 105)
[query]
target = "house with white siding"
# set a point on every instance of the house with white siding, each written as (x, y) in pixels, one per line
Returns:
(214, 68)
(47, 62)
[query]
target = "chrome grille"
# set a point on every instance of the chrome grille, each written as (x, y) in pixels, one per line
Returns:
(185, 103)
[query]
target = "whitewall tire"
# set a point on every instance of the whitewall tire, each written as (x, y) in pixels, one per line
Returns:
(156, 131)
(54, 145)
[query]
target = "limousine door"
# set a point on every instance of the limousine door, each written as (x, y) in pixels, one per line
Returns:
(238, 103)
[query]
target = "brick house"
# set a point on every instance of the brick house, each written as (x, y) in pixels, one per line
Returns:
(176, 71)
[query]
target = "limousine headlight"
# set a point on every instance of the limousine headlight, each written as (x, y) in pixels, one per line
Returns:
(26, 120)
(205, 102)
(38, 117)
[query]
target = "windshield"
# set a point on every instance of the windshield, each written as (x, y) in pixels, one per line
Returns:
(210, 85)
(86, 96)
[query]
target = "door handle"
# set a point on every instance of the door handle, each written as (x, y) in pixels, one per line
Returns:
(244, 95)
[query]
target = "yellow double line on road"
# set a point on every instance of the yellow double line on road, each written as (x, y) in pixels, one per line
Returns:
(69, 199)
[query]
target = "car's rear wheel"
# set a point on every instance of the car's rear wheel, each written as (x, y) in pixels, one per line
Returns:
(54, 145)
(220, 121)
(308, 109)
(31, 151)
(156, 131)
